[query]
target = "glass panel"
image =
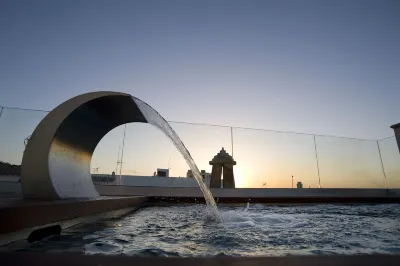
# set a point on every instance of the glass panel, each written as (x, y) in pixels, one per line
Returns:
(108, 152)
(349, 163)
(391, 161)
(203, 143)
(146, 149)
(270, 159)
(15, 126)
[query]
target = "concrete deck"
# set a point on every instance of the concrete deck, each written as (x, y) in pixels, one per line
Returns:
(19, 213)
(21, 217)
(68, 259)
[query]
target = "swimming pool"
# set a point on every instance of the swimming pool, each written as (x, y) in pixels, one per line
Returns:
(254, 230)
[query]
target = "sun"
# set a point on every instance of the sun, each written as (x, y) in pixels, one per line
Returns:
(240, 177)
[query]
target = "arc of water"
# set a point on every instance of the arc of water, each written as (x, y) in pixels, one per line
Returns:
(155, 119)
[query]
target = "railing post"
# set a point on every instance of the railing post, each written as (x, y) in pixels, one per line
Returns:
(232, 140)
(396, 129)
(1, 110)
(316, 158)
(122, 156)
(383, 168)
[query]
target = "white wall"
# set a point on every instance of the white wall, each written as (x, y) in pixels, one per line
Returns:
(10, 186)
(157, 181)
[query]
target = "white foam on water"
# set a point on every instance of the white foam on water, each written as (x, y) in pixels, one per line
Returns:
(253, 217)
(155, 119)
(237, 219)
(257, 206)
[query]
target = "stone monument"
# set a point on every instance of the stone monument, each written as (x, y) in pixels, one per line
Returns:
(222, 162)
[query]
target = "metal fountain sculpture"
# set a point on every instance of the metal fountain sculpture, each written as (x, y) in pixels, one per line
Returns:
(56, 161)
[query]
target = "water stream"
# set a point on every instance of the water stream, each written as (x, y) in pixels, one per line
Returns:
(155, 119)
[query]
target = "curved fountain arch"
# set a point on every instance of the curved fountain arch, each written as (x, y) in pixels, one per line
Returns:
(56, 161)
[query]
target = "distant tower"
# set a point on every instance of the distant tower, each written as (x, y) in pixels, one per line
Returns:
(222, 162)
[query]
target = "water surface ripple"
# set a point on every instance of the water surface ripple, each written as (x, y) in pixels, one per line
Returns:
(255, 231)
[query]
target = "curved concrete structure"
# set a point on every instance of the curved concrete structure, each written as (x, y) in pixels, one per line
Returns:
(56, 162)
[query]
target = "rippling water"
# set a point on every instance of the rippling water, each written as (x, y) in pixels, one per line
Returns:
(247, 231)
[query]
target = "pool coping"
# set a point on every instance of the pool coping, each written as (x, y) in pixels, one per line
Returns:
(257, 195)
(20, 217)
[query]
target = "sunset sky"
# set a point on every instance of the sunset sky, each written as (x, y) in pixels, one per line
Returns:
(321, 67)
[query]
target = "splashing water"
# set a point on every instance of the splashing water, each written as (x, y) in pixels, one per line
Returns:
(155, 119)
(247, 206)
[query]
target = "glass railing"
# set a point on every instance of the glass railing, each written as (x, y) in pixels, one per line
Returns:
(349, 163)
(264, 158)
(145, 149)
(16, 126)
(270, 159)
(106, 158)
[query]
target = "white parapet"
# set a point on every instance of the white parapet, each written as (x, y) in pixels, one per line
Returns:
(159, 181)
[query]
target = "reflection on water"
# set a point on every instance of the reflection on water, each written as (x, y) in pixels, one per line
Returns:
(255, 230)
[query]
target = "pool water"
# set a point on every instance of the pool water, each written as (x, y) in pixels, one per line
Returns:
(254, 230)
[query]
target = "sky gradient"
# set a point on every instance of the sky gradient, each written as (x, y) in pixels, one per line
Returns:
(323, 67)
(326, 67)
